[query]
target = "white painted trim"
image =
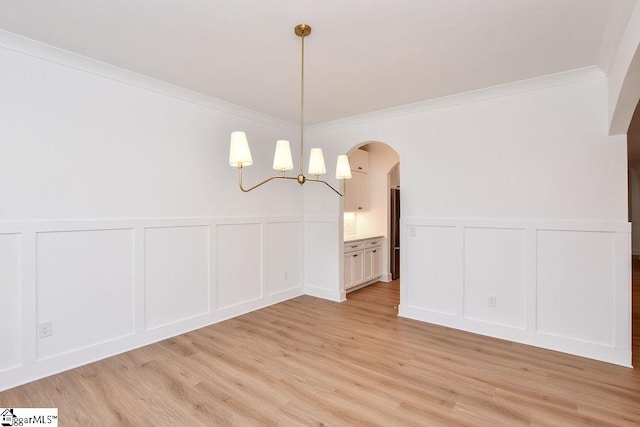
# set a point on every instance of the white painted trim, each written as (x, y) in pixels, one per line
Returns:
(508, 89)
(578, 348)
(565, 225)
(36, 49)
(386, 277)
(336, 293)
(328, 294)
(31, 368)
(623, 76)
(617, 351)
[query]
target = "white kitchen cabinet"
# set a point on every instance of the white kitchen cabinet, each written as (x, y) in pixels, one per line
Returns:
(362, 262)
(353, 263)
(372, 263)
(348, 269)
(359, 161)
(356, 198)
(357, 267)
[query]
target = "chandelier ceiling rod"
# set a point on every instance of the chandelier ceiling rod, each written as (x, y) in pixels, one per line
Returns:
(240, 154)
(302, 31)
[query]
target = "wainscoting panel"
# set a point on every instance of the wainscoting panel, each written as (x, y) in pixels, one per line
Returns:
(495, 267)
(84, 288)
(176, 274)
(10, 301)
(576, 285)
(239, 264)
(434, 260)
(283, 256)
(562, 285)
(323, 240)
(109, 286)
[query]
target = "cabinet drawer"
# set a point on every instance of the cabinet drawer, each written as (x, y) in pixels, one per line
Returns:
(374, 242)
(353, 246)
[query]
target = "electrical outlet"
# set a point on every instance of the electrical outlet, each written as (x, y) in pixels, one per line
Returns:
(285, 276)
(491, 301)
(44, 329)
(412, 231)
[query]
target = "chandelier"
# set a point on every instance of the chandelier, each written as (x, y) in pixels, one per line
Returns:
(240, 155)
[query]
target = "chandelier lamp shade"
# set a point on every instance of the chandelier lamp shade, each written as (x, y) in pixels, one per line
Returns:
(240, 154)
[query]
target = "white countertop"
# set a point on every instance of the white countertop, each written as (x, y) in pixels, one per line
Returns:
(349, 239)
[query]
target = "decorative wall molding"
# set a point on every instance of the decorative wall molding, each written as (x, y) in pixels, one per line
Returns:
(30, 47)
(552, 80)
(322, 255)
(561, 285)
(150, 264)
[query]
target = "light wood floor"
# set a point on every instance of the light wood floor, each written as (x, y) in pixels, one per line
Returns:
(313, 362)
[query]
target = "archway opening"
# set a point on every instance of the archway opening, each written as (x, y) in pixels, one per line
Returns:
(633, 158)
(371, 215)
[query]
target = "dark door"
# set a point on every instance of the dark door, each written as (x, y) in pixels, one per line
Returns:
(394, 241)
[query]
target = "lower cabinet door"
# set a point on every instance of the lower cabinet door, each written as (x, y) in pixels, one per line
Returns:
(348, 271)
(357, 264)
(376, 262)
(368, 265)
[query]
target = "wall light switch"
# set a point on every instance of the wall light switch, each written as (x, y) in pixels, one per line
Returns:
(412, 231)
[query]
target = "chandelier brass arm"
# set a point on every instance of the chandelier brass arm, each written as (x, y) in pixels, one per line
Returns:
(246, 190)
(300, 178)
(327, 184)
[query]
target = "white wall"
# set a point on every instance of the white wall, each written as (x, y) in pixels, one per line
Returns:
(121, 222)
(493, 183)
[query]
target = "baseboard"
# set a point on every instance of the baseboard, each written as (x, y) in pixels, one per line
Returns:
(386, 277)
(600, 352)
(362, 285)
(328, 294)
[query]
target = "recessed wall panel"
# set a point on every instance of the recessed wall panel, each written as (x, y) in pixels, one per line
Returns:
(238, 264)
(283, 256)
(10, 298)
(575, 285)
(84, 288)
(176, 274)
(433, 268)
(495, 269)
(321, 255)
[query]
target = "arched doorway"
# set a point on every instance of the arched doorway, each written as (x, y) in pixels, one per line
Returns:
(633, 158)
(369, 235)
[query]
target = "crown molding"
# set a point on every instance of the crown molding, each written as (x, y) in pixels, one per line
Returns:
(508, 89)
(36, 49)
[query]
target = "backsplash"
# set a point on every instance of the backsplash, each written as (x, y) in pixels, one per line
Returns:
(350, 224)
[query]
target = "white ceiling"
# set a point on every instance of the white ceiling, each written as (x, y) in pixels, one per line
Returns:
(363, 55)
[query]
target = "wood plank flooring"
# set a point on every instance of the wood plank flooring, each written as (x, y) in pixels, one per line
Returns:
(313, 362)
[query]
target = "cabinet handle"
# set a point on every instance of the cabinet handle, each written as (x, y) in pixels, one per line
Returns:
(359, 167)
(375, 252)
(354, 246)
(374, 243)
(359, 208)
(355, 255)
